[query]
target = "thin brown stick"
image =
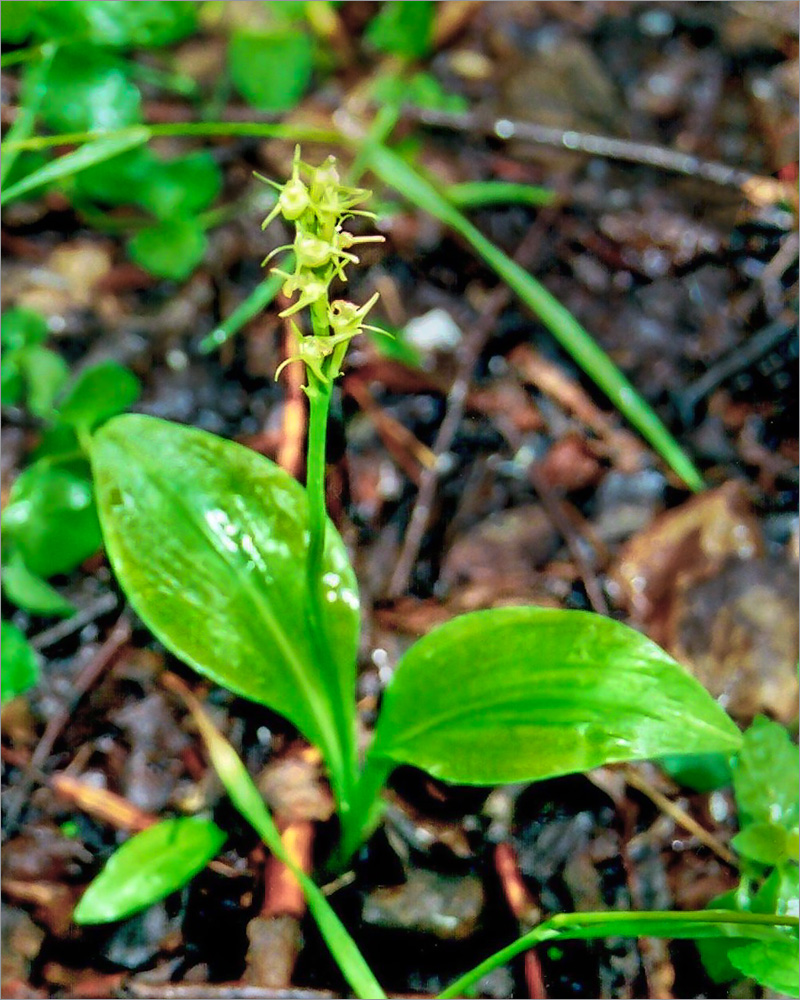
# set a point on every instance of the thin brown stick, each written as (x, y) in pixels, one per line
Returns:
(680, 816)
(757, 188)
(117, 638)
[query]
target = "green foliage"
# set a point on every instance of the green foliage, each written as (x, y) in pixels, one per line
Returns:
(86, 156)
(540, 692)
(208, 539)
(704, 772)
(50, 522)
(271, 69)
(31, 373)
(421, 90)
(170, 249)
(98, 393)
(765, 781)
(149, 866)
(89, 91)
(51, 519)
(737, 931)
(122, 24)
(20, 665)
(404, 29)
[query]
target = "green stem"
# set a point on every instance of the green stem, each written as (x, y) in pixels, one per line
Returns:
(645, 924)
(367, 808)
(262, 130)
(319, 396)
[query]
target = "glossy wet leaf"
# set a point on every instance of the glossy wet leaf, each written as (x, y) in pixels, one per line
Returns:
(20, 665)
(271, 70)
(766, 774)
(171, 249)
(100, 392)
(522, 694)
(89, 91)
(148, 867)
(404, 29)
(31, 592)
(208, 540)
(50, 517)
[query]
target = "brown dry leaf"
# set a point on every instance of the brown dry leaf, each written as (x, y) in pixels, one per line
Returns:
(697, 583)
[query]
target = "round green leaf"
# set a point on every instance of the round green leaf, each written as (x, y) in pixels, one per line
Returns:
(180, 187)
(171, 249)
(271, 70)
(209, 541)
(100, 392)
(88, 91)
(45, 373)
(763, 842)
(51, 519)
(522, 694)
(148, 867)
(20, 665)
(22, 328)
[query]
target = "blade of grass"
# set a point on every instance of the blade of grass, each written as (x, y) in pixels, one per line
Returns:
(258, 299)
(477, 194)
(208, 130)
(562, 324)
(247, 799)
(86, 156)
(565, 926)
(33, 90)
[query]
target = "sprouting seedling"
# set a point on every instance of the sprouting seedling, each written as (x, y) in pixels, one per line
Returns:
(264, 600)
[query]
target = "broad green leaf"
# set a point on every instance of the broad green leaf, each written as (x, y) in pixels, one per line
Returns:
(20, 665)
(208, 540)
(89, 91)
(50, 517)
(704, 772)
(772, 964)
(180, 187)
(171, 249)
(732, 928)
(100, 392)
(148, 867)
(522, 694)
(31, 592)
(87, 155)
(404, 29)
(45, 373)
(766, 774)
(762, 842)
(779, 892)
(22, 328)
(271, 70)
